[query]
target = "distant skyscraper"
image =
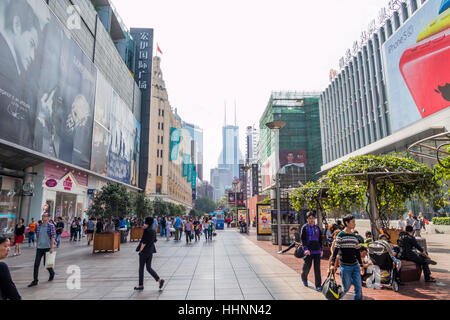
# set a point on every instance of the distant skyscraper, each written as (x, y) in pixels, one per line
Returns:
(251, 140)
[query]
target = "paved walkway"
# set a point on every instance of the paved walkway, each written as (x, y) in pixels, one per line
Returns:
(438, 247)
(229, 268)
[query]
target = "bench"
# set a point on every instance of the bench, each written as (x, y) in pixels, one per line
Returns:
(410, 271)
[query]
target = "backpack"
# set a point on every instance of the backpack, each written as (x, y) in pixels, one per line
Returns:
(331, 289)
(210, 227)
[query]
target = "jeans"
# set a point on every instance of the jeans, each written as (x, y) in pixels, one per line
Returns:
(31, 237)
(146, 260)
(188, 236)
(206, 234)
(73, 235)
(58, 239)
(308, 261)
(210, 236)
(163, 231)
(197, 235)
(352, 275)
(39, 254)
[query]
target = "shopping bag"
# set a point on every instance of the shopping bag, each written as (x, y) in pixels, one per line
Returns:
(426, 221)
(331, 289)
(50, 260)
(299, 252)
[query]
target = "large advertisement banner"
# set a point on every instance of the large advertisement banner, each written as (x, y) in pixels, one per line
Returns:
(242, 215)
(264, 220)
(295, 157)
(47, 84)
(417, 65)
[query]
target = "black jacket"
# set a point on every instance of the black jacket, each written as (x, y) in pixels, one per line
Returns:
(8, 290)
(407, 244)
(149, 239)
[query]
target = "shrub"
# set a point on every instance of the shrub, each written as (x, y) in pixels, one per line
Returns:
(441, 221)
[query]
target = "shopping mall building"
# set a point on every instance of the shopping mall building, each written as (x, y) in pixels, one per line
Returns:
(72, 100)
(393, 88)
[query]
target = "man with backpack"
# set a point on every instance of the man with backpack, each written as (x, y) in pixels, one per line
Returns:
(312, 245)
(90, 228)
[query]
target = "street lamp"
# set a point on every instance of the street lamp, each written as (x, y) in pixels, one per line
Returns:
(235, 188)
(276, 126)
(246, 167)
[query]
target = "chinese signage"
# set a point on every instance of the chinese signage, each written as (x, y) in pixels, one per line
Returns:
(255, 180)
(383, 15)
(264, 226)
(143, 39)
(68, 184)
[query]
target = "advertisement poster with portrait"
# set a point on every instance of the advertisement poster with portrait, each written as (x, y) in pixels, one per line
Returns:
(100, 149)
(242, 215)
(136, 153)
(295, 157)
(416, 59)
(264, 221)
(47, 84)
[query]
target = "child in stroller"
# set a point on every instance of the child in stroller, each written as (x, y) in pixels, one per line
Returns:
(385, 266)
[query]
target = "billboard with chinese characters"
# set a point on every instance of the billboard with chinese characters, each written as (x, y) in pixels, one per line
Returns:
(416, 59)
(47, 84)
(264, 217)
(242, 215)
(143, 39)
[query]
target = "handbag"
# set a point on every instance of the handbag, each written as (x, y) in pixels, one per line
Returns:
(299, 252)
(50, 260)
(331, 289)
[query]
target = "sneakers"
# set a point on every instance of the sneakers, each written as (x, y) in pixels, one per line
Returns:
(432, 262)
(52, 276)
(161, 284)
(280, 252)
(138, 288)
(319, 289)
(305, 283)
(431, 280)
(33, 283)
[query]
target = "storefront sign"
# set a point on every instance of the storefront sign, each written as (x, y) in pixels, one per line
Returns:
(51, 183)
(264, 221)
(68, 184)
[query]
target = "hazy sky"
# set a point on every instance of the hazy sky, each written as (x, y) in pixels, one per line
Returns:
(242, 50)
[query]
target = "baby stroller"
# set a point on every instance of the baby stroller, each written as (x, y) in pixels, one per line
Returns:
(385, 269)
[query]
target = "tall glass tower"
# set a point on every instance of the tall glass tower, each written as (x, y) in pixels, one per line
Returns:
(231, 155)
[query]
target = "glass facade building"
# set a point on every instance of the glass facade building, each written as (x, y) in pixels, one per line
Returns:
(299, 140)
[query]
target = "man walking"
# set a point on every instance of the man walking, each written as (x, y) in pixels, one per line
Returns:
(59, 230)
(312, 244)
(347, 246)
(45, 243)
(177, 226)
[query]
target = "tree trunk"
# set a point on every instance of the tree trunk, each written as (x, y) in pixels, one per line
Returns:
(374, 216)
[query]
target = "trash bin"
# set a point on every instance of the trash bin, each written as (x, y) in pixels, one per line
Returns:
(123, 236)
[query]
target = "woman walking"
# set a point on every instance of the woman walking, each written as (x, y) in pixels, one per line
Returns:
(19, 232)
(188, 230)
(168, 228)
(205, 228)
(8, 290)
(146, 249)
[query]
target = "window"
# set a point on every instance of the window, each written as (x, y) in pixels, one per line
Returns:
(157, 170)
(159, 126)
(159, 112)
(162, 126)
(163, 113)
(162, 140)
(161, 153)
(159, 140)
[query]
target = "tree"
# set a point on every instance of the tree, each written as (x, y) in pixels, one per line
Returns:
(161, 208)
(205, 205)
(142, 206)
(222, 203)
(112, 201)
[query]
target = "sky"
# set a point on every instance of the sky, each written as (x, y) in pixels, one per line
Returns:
(217, 52)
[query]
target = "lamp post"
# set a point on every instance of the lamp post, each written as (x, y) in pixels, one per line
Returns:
(276, 126)
(235, 187)
(246, 167)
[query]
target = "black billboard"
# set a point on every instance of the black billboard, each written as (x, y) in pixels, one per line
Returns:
(47, 84)
(255, 180)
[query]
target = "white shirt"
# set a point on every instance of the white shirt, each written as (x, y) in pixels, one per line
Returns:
(401, 225)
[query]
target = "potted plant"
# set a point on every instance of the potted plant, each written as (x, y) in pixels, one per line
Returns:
(142, 209)
(112, 201)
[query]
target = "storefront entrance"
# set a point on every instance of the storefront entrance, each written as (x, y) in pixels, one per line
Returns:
(66, 206)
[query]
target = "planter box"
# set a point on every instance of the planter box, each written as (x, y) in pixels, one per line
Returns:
(410, 271)
(136, 233)
(106, 242)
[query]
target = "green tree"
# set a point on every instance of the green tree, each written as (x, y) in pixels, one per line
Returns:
(142, 206)
(222, 203)
(112, 201)
(205, 205)
(161, 208)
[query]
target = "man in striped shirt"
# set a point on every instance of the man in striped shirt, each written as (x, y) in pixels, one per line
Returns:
(347, 246)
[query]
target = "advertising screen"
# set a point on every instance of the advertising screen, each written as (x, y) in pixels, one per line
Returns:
(242, 215)
(416, 59)
(47, 84)
(264, 220)
(296, 157)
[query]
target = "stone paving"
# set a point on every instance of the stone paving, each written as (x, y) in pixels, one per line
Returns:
(438, 247)
(231, 267)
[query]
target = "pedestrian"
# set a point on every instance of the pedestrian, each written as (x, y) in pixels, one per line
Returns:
(211, 228)
(84, 227)
(187, 230)
(90, 228)
(351, 266)
(128, 223)
(45, 243)
(416, 227)
(183, 222)
(401, 224)
(59, 230)
(177, 226)
(32, 232)
(422, 221)
(197, 229)
(146, 249)
(339, 225)
(8, 290)
(408, 246)
(79, 228)
(99, 226)
(228, 222)
(295, 241)
(162, 227)
(205, 227)
(155, 224)
(168, 228)
(73, 230)
(312, 245)
(19, 232)
(410, 219)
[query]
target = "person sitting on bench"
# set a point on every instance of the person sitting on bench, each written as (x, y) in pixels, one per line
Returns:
(408, 246)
